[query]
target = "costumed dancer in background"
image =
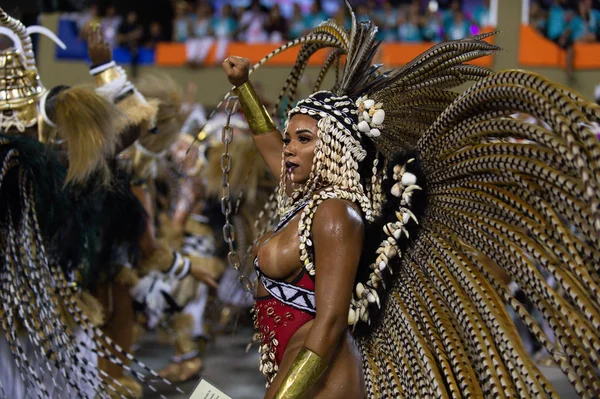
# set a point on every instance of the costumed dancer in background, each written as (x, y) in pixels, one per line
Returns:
(121, 218)
(250, 186)
(56, 146)
(196, 223)
(392, 187)
(161, 272)
(188, 231)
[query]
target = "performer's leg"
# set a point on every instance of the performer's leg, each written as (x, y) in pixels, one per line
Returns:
(119, 327)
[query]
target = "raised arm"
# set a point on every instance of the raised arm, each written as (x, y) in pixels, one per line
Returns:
(267, 138)
(338, 234)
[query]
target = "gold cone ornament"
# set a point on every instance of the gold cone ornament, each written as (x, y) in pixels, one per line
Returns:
(20, 85)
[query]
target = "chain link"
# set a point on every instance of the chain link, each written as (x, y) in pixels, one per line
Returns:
(226, 161)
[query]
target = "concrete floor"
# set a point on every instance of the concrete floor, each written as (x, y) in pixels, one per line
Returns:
(229, 368)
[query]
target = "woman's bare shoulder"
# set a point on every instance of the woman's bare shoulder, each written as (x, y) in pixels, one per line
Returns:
(335, 217)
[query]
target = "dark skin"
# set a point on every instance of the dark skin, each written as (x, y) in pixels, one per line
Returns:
(338, 232)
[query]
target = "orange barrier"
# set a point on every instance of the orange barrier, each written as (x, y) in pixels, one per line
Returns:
(170, 54)
(535, 50)
(391, 54)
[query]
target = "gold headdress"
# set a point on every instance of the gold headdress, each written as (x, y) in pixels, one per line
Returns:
(20, 85)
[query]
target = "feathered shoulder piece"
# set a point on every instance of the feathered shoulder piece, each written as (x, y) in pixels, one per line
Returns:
(486, 206)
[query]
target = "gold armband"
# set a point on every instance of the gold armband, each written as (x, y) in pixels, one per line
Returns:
(256, 114)
(307, 369)
(107, 76)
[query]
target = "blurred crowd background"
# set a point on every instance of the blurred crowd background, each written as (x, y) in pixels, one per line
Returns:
(201, 33)
(261, 21)
(566, 22)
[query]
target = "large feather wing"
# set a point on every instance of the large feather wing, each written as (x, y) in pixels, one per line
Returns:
(497, 211)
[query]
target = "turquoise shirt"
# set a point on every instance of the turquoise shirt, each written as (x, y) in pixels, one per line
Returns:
(387, 29)
(458, 31)
(224, 27)
(481, 15)
(181, 30)
(433, 29)
(202, 27)
(408, 32)
(296, 28)
(556, 22)
(579, 27)
(315, 20)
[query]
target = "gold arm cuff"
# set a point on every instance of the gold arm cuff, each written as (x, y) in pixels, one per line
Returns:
(256, 114)
(107, 76)
(307, 369)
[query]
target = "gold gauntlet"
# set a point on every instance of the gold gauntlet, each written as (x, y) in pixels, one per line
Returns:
(256, 114)
(307, 369)
(107, 76)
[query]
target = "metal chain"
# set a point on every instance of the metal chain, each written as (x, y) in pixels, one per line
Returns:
(226, 160)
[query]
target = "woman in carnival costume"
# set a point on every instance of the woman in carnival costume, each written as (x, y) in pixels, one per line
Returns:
(392, 190)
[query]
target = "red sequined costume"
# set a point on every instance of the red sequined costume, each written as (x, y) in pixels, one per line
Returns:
(279, 320)
(280, 313)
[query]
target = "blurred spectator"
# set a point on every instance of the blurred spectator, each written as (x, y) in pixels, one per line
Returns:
(276, 25)
(198, 46)
(585, 24)
(409, 29)
(362, 13)
(297, 24)
(557, 20)
(433, 30)
(537, 17)
(481, 14)
(155, 35)
(558, 30)
(110, 25)
(342, 18)
(316, 15)
(181, 22)
(202, 24)
(224, 27)
(386, 18)
(88, 18)
(448, 14)
(459, 27)
(252, 23)
(130, 37)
